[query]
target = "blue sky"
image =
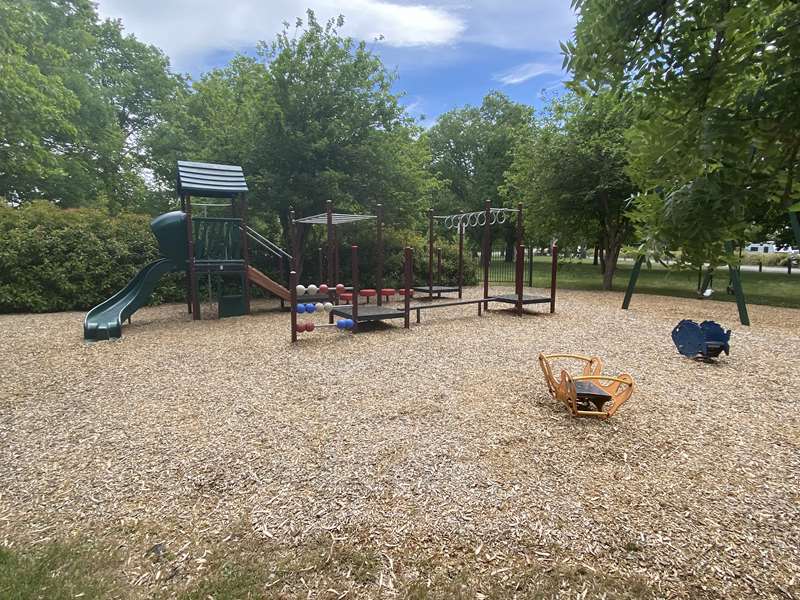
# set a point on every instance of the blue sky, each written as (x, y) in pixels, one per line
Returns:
(447, 53)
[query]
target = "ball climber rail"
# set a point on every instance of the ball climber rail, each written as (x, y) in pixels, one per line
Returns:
(309, 308)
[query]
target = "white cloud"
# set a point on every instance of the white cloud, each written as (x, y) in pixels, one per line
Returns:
(188, 30)
(526, 71)
(534, 25)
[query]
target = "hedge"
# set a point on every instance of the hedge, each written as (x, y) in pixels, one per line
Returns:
(54, 259)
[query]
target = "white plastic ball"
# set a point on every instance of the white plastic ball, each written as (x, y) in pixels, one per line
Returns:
(312, 289)
(301, 289)
(319, 307)
(328, 306)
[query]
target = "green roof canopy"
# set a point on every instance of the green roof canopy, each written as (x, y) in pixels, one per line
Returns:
(210, 180)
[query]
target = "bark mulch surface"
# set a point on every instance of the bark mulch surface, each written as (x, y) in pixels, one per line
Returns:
(410, 462)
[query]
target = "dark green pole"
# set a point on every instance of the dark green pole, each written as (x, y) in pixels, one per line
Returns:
(736, 280)
(632, 282)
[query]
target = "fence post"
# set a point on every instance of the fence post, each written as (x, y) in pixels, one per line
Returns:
(760, 266)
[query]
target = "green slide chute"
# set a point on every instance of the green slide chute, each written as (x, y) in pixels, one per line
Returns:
(105, 320)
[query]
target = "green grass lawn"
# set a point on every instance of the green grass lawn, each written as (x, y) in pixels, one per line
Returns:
(774, 289)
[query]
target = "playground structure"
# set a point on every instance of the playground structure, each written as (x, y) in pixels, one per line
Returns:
(218, 248)
(350, 315)
(705, 341)
(703, 284)
(486, 218)
(587, 395)
(438, 288)
(356, 314)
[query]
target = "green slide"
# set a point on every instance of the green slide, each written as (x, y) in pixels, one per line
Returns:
(105, 320)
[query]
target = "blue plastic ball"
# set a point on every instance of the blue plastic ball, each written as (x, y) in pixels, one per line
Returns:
(301, 308)
(340, 323)
(350, 323)
(310, 308)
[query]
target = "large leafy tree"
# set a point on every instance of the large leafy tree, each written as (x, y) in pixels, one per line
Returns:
(76, 97)
(570, 171)
(717, 138)
(312, 118)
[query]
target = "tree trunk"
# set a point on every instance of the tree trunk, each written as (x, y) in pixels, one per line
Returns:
(596, 255)
(610, 264)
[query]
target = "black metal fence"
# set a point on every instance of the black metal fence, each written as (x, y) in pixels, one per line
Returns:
(502, 270)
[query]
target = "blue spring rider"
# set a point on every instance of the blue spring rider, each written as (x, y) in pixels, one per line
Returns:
(705, 341)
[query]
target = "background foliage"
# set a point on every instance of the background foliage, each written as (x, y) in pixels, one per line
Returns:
(71, 259)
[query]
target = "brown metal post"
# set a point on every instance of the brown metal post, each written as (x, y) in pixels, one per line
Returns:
(354, 265)
(321, 266)
(409, 257)
(487, 235)
(379, 277)
(332, 274)
(293, 300)
(188, 277)
(292, 232)
(430, 253)
(460, 259)
(193, 295)
(439, 266)
(519, 276)
(553, 273)
(336, 266)
(245, 253)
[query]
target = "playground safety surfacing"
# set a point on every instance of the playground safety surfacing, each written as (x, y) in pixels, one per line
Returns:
(433, 456)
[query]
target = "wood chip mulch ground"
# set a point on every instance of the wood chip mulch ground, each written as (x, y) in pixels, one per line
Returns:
(434, 453)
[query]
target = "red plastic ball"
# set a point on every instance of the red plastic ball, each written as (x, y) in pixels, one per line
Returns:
(339, 288)
(323, 288)
(309, 327)
(301, 327)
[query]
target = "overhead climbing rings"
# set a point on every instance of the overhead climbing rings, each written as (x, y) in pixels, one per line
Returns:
(497, 216)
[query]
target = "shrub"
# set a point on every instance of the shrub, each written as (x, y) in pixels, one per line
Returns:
(55, 259)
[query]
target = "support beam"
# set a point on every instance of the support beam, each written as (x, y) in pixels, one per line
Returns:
(553, 277)
(332, 269)
(293, 301)
(354, 267)
(736, 280)
(245, 250)
(519, 276)
(438, 266)
(430, 253)
(379, 274)
(487, 244)
(407, 283)
(637, 267)
(460, 260)
(193, 295)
